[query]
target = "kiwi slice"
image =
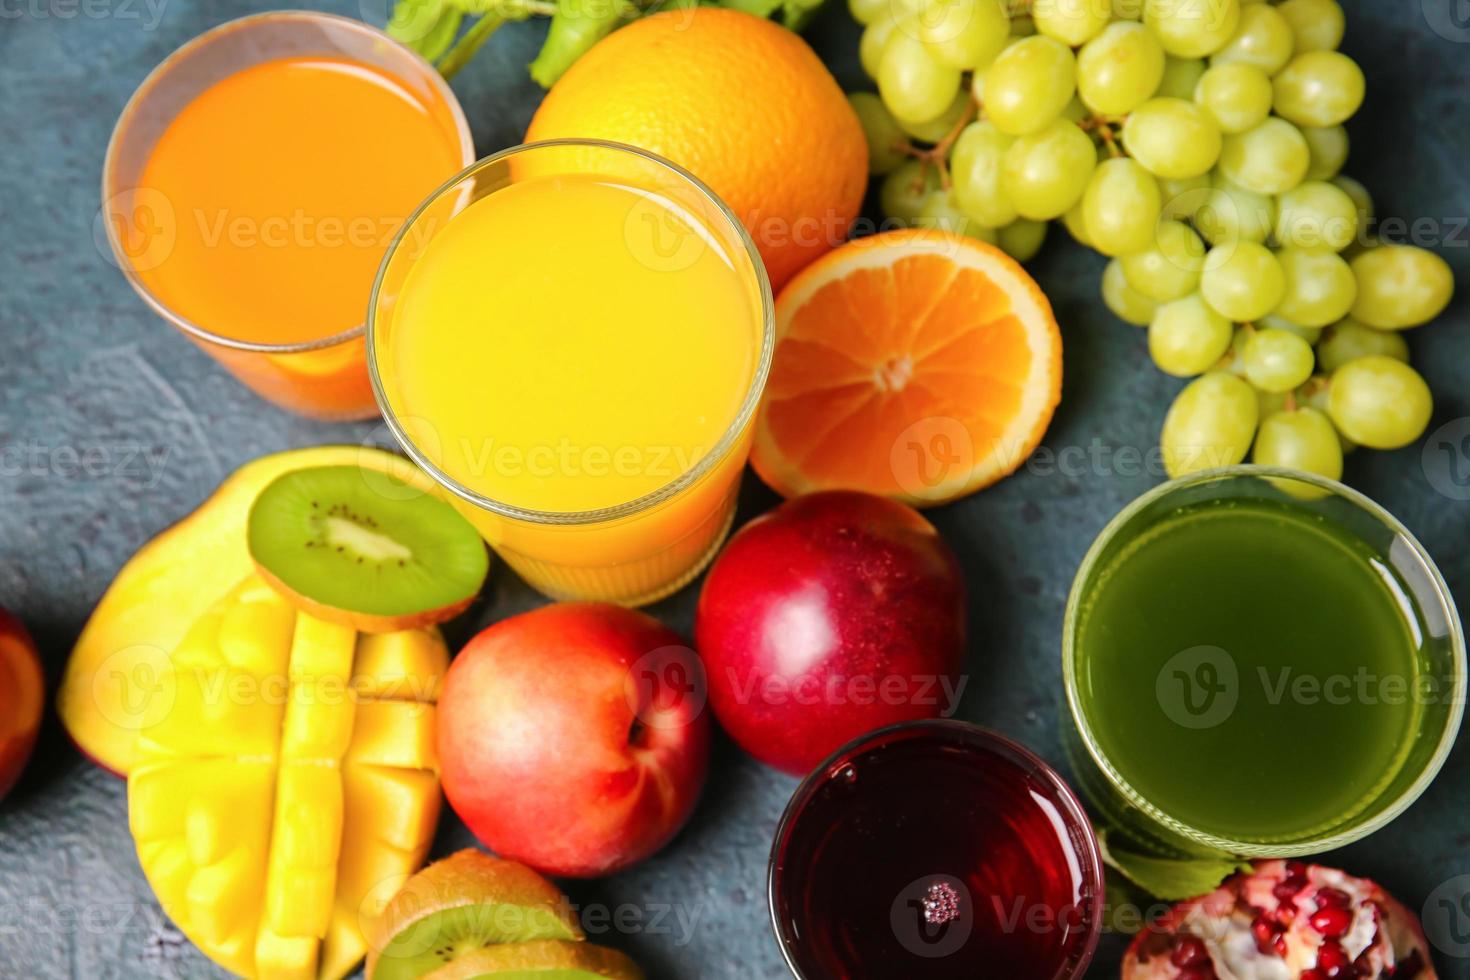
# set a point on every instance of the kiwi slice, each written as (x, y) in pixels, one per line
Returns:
(550, 959)
(462, 905)
(367, 551)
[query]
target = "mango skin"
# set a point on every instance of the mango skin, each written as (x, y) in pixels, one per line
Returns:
(286, 783)
(112, 683)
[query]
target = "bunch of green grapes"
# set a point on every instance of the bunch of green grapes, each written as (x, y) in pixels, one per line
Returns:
(1199, 144)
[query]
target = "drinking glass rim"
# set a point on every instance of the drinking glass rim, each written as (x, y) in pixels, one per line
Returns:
(1213, 841)
(990, 738)
(160, 71)
(638, 504)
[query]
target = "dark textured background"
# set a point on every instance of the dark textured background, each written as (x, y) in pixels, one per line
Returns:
(84, 364)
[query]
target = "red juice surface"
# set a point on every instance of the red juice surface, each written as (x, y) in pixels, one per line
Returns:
(936, 851)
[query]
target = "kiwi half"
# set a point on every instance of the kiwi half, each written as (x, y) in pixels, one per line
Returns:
(460, 906)
(550, 959)
(367, 551)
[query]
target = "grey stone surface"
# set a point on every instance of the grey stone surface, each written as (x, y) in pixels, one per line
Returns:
(84, 365)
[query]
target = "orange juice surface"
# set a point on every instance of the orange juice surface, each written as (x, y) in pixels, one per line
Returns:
(555, 356)
(286, 182)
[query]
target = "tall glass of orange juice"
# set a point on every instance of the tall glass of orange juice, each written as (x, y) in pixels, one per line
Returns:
(254, 182)
(572, 337)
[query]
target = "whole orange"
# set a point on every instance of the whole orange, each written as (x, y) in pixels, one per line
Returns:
(743, 104)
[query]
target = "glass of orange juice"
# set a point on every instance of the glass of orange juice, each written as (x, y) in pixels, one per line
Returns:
(572, 338)
(254, 182)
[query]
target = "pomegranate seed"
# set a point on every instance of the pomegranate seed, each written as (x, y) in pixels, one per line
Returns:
(1333, 897)
(1265, 932)
(1333, 962)
(1286, 912)
(1202, 971)
(1191, 951)
(1296, 869)
(1286, 888)
(1331, 921)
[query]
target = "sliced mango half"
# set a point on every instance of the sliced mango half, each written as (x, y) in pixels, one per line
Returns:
(286, 783)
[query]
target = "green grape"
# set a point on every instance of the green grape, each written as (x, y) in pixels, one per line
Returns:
(1263, 40)
(1319, 88)
(1301, 440)
(866, 12)
(870, 46)
(977, 166)
(1172, 138)
(939, 211)
(1320, 286)
(1181, 75)
(941, 126)
(965, 34)
(1316, 25)
(1186, 337)
(906, 189)
(1170, 267)
(1316, 393)
(1328, 147)
(1022, 239)
(1272, 158)
(1400, 286)
(1047, 172)
(1120, 68)
(1273, 322)
(1127, 9)
(1073, 22)
(1210, 424)
(1182, 197)
(1349, 340)
(1237, 96)
(1231, 214)
(1076, 227)
(1274, 360)
(1379, 402)
(1242, 280)
(1029, 85)
(1361, 198)
(1121, 207)
(915, 87)
(1316, 213)
(885, 139)
(1192, 28)
(1127, 304)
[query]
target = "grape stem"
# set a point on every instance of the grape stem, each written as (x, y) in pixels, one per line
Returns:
(937, 154)
(1105, 132)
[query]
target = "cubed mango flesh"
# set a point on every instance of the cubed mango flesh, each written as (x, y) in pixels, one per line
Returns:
(289, 786)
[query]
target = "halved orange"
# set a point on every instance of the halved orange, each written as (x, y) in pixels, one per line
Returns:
(915, 364)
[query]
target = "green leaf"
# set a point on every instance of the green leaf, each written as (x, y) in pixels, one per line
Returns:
(797, 14)
(575, 27)
(761, 8)
(1172, 879)
(427, 26)
(469, 45)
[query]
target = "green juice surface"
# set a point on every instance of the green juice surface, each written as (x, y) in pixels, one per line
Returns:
(1286, 595)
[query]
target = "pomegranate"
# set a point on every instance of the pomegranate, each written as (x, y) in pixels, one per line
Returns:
(1286, 920)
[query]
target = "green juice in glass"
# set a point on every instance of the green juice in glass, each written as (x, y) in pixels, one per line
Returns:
(1256, 670)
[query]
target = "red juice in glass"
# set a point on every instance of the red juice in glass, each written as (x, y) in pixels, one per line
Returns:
(935, 850)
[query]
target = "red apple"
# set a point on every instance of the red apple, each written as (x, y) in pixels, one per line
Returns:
(573, 738)
(832, 615)
(22, 693)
